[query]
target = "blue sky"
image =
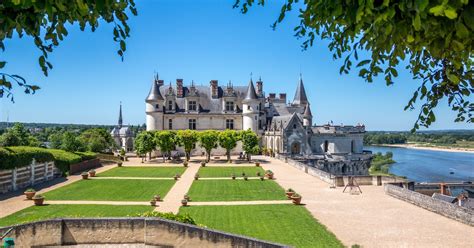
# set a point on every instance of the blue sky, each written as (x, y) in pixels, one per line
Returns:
(200, 41)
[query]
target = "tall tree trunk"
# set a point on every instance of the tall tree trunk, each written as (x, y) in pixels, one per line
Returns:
(248, 157)
(208, 156)
(228, 155)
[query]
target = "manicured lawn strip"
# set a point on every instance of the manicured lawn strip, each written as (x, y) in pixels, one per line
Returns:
(250, 171)
(111, 190)
(35, 213)
(142, 171)
(285, 224)
(235, 190)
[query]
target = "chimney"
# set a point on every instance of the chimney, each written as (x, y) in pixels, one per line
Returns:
(259, 87)
(271, 96)
(442, 189)
(214, 89)
(283, 97)
(179, 88)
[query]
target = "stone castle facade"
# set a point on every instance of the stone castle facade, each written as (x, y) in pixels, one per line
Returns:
(285, 128)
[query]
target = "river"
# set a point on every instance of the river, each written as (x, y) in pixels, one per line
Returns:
(429, 166)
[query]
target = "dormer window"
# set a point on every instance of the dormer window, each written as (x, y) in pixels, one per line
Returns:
(192, 106)
(157, 106)
(170, 105)
(229, 106)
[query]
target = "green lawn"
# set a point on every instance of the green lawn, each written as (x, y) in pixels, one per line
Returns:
(35, 213)
(111, 190)
(250, 171)
(142, 171)
(235, 190)
(286, 224)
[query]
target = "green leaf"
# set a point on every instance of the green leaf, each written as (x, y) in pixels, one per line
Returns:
(417, 23)
(453, 78)
(461, 30)
(363, 62)
(437, 10)
(2, 64)
(422, 4)
(410, 38)
(450, 13)
(16, 2)
(457, 46)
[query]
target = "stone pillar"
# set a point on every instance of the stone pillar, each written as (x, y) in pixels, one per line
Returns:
(46, 176)
(442, 189)
(32, 172)
(14, 177)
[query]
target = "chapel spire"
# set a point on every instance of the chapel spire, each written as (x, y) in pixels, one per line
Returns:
(300, 95)
(120, 120)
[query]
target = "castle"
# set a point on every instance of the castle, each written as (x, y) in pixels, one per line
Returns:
(285, 128)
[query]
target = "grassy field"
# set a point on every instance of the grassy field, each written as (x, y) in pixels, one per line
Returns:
(35, 213)
(142, 171)
(111, 190)
(235, 190)
(250, 171)
(286, 224)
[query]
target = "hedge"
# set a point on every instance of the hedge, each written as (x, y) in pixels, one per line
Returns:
(19, 156)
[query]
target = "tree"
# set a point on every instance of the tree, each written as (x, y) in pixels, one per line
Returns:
(435, 39)
(71, 143)
(249, 142)
(165, 140)
(46, 22)
(145, 143)
(97, 140)
(228, 140)
(187, 139)
(18, 136)
(208, 140)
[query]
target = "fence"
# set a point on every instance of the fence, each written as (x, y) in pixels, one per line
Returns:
(27, 176)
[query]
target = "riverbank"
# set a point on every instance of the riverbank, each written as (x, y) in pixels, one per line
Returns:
(431, 148)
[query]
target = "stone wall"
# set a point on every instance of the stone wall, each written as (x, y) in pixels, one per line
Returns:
(148, 231)
(84, 165)
(30, 175)
(339, 180)
(453, 211)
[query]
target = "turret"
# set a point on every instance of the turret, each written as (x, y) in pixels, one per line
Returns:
(307, 116)
(300, 95)
(154, 107)
(250, 109)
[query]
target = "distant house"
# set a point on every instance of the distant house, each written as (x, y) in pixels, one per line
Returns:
(123, 134)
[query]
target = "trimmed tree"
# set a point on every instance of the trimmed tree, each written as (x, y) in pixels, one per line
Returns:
(249, 143)
(144, 143)
(165, 140)
(228, 140)
(187, 138)
(208, 140)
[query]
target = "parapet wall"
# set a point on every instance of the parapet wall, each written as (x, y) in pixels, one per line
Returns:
(450, 210)
(84, 165)
(148, 231)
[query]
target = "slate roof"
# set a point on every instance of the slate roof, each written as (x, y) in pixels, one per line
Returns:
(300, 94)
(155, 93)
(250, 94)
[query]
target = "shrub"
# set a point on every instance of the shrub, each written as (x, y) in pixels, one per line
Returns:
(183, 218)
(30, 190)
(20, 156)
(290, 190)
(38, 196)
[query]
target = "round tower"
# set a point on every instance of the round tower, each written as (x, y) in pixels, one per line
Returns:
(250, 109)
(154, 107)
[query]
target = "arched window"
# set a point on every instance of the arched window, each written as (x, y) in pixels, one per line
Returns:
(326, 146)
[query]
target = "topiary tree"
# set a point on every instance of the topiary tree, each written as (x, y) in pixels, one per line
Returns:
(187, 139)
(165, 140)
(228, 140)
(249, 143)
(208, 140)
(145, 143)
(433, 40)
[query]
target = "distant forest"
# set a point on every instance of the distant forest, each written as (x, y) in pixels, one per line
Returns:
(444, 137)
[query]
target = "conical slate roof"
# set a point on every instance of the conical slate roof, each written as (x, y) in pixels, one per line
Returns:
(300, 95)
(250, 95)
(307, 110)
(154, 94)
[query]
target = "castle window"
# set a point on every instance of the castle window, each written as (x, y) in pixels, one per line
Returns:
(157, 106)
(170, 105)
(326, 146)
(192, 124)
(248, 107)
(294, 126)
(170, 124)
(192, 105)
(229, 124)
(229, 106)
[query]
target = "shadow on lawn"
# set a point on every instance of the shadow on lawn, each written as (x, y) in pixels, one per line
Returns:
(37, 187)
